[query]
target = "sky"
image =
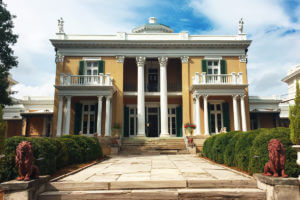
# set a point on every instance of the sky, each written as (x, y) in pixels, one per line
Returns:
(272, 25)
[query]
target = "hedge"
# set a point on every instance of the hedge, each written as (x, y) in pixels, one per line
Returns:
(248, 151)
(50, 154)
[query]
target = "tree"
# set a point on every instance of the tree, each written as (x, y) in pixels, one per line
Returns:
(7, 58)
(295, 117)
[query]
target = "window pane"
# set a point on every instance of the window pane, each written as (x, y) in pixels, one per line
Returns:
(215, 63)
(85, 123)
(173, 110)
(219, 122)
(95, 72)
(131, 126)
(86, 107)
(212, 123)
(92, 107)
(89, 64)
(88, 72)
(209, 63)
(209, 71)
(212, 106)
(152, 110)
(169, 124)
(215, 71)
(218, 107)
(173, 126)
(95, 64)
(131, 111)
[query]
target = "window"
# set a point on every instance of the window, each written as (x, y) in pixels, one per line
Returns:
(213, 67)
(91, 68)
(216, 117)
(88, 119)
(254, 121)
(132, 121)
(172, 120)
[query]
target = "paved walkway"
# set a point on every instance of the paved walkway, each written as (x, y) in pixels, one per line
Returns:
(155, 167)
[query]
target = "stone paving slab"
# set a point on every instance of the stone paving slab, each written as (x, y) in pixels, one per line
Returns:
(155, 167)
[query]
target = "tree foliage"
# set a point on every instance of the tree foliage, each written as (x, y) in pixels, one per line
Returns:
(7, 58)
(295, 118)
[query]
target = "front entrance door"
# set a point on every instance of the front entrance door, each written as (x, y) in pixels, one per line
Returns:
(153, 128)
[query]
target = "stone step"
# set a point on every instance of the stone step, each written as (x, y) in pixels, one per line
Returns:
(158, 194)
(151, 184)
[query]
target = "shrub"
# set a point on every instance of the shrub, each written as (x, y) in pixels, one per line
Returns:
(242, 149)
(50, 153)
(294, 116)
(220, 145)
(259, 151)
(229, 154)
(207, 147)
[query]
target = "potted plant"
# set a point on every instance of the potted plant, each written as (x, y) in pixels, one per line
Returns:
(189, 127)
(294, 116)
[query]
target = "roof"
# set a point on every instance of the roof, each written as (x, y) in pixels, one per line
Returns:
(293, 72)
(153, 27)
(264, 104)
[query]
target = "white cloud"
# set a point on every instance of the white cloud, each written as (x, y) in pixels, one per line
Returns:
(272, 52)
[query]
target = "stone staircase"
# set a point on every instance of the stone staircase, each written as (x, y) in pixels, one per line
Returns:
(154, 190)
(144, 145)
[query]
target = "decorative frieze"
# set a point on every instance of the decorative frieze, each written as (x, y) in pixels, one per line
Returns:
(120, 59)
(243, 58)
(184, 59)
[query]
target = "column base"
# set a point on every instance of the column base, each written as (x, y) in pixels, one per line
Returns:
(164, 135)
(141, 135)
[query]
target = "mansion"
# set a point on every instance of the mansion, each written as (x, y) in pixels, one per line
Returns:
(152, 81)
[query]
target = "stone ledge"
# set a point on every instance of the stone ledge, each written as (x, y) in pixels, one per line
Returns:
(270, 180)
(14, 185)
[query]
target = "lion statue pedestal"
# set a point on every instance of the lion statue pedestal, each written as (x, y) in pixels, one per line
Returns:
(275, 166)
(24, 161)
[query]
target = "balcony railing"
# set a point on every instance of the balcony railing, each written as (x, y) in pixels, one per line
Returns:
(204, 78)
(86, 80)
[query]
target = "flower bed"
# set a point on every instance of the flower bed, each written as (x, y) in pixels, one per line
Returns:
(248, 151)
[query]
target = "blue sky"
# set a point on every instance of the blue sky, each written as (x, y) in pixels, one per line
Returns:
(273, 25)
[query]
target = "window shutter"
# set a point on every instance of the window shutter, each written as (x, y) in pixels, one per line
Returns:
(126, 121)
(209, 124)
(159, 125)
(101, 66)
(81, 68)
(96, 117)
(179, 121)
(223, 67)
(204, 66)
(226, 116)
(78, 116)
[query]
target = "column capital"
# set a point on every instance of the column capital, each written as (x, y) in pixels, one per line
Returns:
(235, 96)
(205, 96)
(120, 59)
(100, 98)
(163, 60)
(196, 96)
(108, 98)
(59, 57)
(184, 59)
(140, 61)
(242, 96)
(68, 97)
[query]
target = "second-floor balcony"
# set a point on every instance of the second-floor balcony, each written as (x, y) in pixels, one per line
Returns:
(86, 80)
(218, 79)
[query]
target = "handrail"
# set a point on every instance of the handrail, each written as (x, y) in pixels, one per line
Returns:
(83, 80)
(204, 78)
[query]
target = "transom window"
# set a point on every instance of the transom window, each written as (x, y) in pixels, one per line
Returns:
(91, 68)
(88, 119)
(213, 67)
(216, 118)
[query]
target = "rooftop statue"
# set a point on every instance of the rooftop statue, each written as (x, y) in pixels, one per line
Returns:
(241, 26)
(61, 25)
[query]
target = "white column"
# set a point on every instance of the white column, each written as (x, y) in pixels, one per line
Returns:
(238, 114)
(197, 105)
(59, 117)
(107, 116)
(68, 116)
(206, 129)
(243, 113)
(235, 112)
(141, 96)
(99, 115)
(163, 96)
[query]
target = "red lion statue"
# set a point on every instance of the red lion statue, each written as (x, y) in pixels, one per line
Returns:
(24, 161)
(275, 166)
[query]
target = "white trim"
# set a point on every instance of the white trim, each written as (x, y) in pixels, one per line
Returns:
(213, 57)
(91, 58)
(89, 112)
(216, 112)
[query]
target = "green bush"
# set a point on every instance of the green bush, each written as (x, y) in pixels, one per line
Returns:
(229, 154)
(220, 145)
(207, 147)
(242, 149)
(50, 153)
(259, 151)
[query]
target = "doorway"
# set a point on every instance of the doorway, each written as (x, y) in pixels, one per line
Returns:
(152, 122)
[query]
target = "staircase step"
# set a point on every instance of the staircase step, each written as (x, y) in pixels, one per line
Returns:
(166, 194)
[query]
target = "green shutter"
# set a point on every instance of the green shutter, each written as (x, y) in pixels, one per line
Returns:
(77, 121)
(223, 67)
(101, 66)
(126, 121)
(159, 125)
(204, 66)
(81, 68)
(209, 124)
(179, 121)
(226, 116)
(96, 116)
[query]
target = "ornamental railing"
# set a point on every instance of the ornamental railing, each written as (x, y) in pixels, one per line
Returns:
(204, 78)
(86, 80)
